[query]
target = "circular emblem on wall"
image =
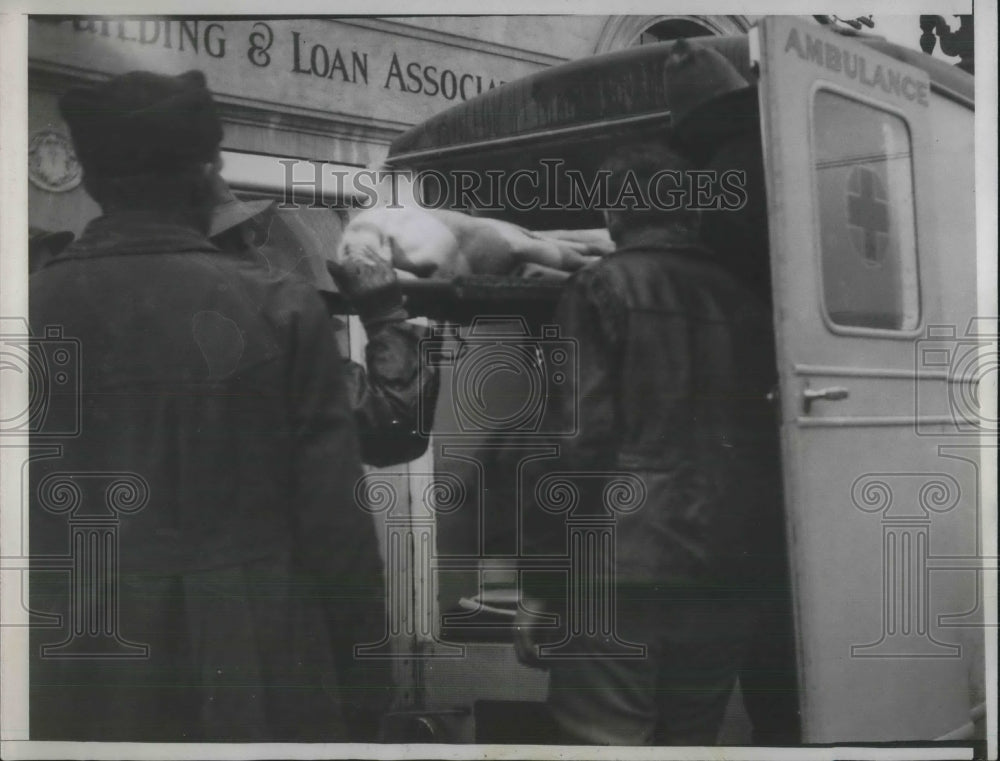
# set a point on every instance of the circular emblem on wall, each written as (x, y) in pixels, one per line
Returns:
(52, 163)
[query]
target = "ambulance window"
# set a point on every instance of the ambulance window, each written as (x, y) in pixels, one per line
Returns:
(864, 187)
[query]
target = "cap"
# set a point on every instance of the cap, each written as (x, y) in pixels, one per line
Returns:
(709, 99)
(141, 123)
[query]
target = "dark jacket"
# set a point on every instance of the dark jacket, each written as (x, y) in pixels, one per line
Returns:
(393, 395)
(676, 359)
(223, 390)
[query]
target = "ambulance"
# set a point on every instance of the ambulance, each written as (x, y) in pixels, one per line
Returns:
(869, 164)
(883, 354)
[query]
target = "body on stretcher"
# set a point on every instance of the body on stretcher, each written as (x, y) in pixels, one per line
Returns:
(449, 265)
(442, 244)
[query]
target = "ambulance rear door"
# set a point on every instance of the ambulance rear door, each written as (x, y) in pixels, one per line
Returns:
(882, 511)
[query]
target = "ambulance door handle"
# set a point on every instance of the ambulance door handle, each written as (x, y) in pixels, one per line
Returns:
(830, 394)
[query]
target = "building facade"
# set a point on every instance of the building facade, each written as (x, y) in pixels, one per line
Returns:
(333, 91)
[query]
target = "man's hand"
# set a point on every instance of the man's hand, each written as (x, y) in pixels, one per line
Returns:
(359, 272)
(526, 633)
(369, 282)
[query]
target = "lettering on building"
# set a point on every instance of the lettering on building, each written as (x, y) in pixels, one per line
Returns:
(303, 53)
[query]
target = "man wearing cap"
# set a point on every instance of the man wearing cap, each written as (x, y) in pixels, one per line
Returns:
(675, 366)
(393, 395)
(246, 570)
(676, 360)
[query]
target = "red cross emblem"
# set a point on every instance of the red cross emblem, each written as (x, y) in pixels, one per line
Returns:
(867, 213)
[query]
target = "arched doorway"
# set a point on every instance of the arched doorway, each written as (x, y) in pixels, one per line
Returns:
(627, 31)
